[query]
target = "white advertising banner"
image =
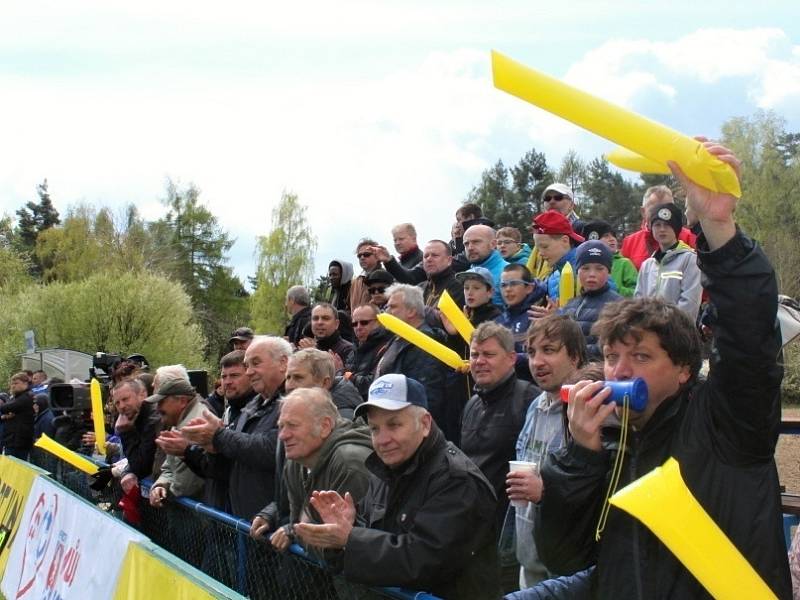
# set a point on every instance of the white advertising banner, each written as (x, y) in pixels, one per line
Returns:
(65, 548)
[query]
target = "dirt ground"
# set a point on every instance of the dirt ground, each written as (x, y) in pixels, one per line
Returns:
(788, 456)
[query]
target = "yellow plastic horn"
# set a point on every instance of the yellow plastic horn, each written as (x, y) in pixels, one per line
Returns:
(638, 134)
(98, 416)
(665, 505)
(625, 159)
(76, 460)
(566, 285)
(421, 341)
(448, 306)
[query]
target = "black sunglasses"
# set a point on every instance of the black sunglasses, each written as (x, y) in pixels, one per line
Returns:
(364, 255)
(362, 323)
(556, 197)
(376, 290)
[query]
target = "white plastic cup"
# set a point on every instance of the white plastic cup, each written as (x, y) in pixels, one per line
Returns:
(521, 465)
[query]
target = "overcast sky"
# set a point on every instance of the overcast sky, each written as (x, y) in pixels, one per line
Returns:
(372, 112)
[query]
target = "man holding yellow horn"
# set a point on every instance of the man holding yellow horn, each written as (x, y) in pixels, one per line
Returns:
(722, 430)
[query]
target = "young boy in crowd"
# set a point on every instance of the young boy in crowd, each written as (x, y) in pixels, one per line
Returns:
(510, 246)
(594, 260)
(556, 242)
(623, 271)
(478, 292)
(671, 272)
(520, 292)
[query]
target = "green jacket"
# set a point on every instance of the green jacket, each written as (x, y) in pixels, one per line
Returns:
(624, 274)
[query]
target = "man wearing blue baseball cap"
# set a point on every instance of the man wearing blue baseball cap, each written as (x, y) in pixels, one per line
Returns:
(426, 522)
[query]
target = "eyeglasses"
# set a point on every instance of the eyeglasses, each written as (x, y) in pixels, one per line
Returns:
(362, 323)
(364, 254)
(509, 283)
(505, 242)
(376, 290)
(554, 197)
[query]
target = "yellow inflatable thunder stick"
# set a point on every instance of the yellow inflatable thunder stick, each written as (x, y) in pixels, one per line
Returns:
(665, 505)
(76, 460)
(98, 417)
(625, 159)
(422, 341)
(448, 306)
(566, 285)
(638, 134)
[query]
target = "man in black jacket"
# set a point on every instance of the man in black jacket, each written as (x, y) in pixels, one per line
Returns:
(405, 303)
(426, 521)
(17, 415)
(138, 425)
(298, 305)
(722, 431)
(325, 327)
(372, 340)
(250, 443)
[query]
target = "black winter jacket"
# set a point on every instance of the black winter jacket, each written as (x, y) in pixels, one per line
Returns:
(427, 526)
(491, 424)
(18, 431)
(366, 357)
(345, 397)
(139, 442)
(722, 432)
(585, 309)
(250, 444)
(297, 324)
(339, 345)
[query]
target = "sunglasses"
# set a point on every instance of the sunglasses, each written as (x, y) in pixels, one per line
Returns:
(364, 255)
(505, 284)
(376, 290)
(362, 323)
(554, 197)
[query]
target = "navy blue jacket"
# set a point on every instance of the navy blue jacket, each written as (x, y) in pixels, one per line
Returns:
(585, 309)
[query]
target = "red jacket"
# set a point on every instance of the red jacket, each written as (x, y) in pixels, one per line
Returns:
(640, 245)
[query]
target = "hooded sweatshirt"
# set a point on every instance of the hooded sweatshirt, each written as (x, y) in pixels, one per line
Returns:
(340, 297)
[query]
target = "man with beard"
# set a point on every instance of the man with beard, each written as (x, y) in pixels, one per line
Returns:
(138, 425)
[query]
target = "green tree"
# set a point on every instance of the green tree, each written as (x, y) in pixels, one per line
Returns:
(285, 257)
(529, 178)
(770, 185)
(120, 312)
(611, 197)
(572, 172)
(32, 220)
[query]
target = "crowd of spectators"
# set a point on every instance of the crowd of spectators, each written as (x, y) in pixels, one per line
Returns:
(393, 468)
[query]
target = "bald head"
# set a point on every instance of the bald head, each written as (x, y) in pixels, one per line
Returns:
(479, 243)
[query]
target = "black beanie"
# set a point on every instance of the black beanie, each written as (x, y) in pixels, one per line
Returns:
(670, 214)
(594, 230)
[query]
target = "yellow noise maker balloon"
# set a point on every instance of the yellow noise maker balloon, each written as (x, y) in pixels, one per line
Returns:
(421, 341)
(665, 505)
(76, 460)
(98, 417)
(625, 159)
(566, 285)
(456, 316)
(638, 134)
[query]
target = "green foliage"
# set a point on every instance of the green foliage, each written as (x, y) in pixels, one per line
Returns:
(609, 196)
(32, 220)
(573, 172)
(121, 312)
(285, 258)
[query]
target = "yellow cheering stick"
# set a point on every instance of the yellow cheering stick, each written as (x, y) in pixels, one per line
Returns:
(98, 417)
(665, 505)
(638, 134)
(76, 460)
(422, 341)
(566, 285)
(450, 310)
(625, 159)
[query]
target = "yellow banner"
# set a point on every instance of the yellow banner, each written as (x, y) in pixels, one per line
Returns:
(16, 478)
(145, 575)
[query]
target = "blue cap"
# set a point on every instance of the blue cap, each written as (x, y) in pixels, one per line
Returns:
(482, 274)
(394, 392)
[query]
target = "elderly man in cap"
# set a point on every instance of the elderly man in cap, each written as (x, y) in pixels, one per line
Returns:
(178, 403)
(241, 338)
(426, 521)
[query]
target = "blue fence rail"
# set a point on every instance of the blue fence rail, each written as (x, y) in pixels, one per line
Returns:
(219, 544)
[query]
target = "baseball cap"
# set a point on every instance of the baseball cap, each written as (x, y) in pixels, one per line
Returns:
(553, 222)
(482, 274)
(559, 188)
(242, 334)
(172, 387)
(394, 392)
